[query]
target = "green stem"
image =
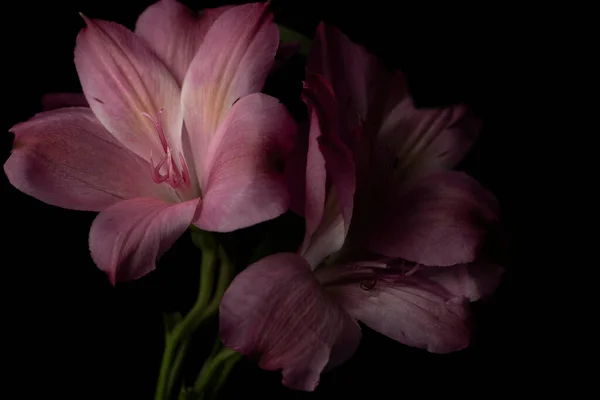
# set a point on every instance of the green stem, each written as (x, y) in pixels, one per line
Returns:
(190, 322)
(210, 367)
(177, 364)
(227, 367)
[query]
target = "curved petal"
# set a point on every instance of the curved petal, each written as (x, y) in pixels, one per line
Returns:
(277, 311)
(241, 47)
(440, 220)
(68, 159)
(328, 209)
(127, 238)
(412, 311)
(415, 142)
(175, 32)
(356, 76)
(127, 86)
(52, 101)
(475, 281)
(244, 180)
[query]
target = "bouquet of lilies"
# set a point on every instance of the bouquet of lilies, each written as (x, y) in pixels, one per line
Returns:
(172, 133)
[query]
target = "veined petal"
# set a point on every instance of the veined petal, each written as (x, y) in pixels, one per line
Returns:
(276, 311)
(244, 180)
(125, 84)
(328, 208)
(415, 142)
(413, 311)
(356, 76)
(66, 158)
(438, 220)
(52, 101)
(127, 238)
(175, 32)
(476, 280)
(233, 61)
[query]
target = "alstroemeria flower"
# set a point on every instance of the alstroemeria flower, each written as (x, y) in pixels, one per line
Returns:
(404, 233)
(176, 133)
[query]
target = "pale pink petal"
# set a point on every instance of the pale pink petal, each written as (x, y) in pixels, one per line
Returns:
(244, 180)
(175, 32)
(277, 311)
(328, 208)
(413, 311)
(233, 61)
(68, 159)
(52, 101)
(440, 220)
(127, 86)
(476, 280)
(127, 238)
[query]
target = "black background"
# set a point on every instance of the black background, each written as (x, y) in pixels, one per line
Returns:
(72, 335)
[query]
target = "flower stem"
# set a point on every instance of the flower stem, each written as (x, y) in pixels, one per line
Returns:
(176, 339)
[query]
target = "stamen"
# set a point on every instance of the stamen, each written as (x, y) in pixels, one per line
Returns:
(413, 270)
(173, 176)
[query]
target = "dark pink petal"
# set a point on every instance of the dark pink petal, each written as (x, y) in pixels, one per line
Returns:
(175, 32)
(476, 280)
(413, 311)
(356, 76)
(328, 208)
(52, 101)
(68, 159)
(415, 142)
(127, 238)
(233, 61)
(127, 86)
(244, 181)
(277, 311)
(438, 220)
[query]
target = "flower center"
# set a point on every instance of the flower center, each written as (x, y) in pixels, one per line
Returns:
(167, 169)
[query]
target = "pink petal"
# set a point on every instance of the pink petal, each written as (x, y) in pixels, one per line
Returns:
(328, 209)
(52, 101)
(415, 142)
(244, 180)
(68, 159)
(477, 280)
(175, 32)
(356, 76)
(276, 310)
(440, 220)
(412, 311)
(233, 61)
(123, 80)
(127, 238)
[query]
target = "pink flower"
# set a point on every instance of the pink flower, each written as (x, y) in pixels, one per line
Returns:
(176, 133)
(392, 236)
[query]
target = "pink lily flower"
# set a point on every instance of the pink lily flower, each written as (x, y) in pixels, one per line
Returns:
(392, 236)
(176, 133)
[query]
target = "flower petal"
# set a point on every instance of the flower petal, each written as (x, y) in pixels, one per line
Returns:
(241, 47)
(127, 238)
(175, 32)
(412, 311)
(328, 209)
(277, 311)
(244, 180)
(123, 80)
(356, 76)
(440, 220)
(68, 159)
(475, 281)
(415, 142)
(52, 101)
